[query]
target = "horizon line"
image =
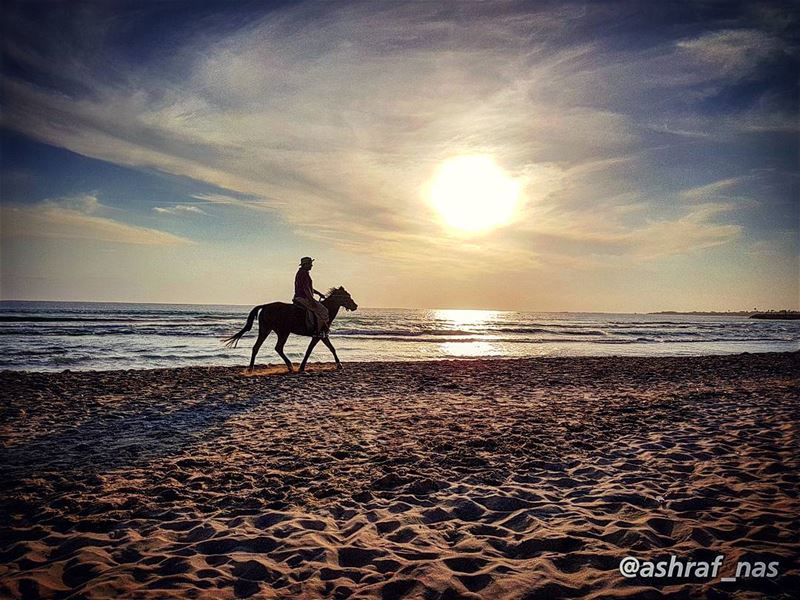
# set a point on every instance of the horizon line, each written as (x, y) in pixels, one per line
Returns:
(687, 311)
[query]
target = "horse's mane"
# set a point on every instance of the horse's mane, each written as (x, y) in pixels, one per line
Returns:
(335, 289)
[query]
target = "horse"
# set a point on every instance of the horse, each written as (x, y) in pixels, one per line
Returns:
(284, 319)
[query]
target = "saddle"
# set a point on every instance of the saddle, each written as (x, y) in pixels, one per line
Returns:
(310, 320)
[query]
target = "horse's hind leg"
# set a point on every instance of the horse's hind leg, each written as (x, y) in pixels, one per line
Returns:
(257, 346)
(279, 349)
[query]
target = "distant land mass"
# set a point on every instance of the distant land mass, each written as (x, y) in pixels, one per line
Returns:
(777, 314)
(753, 314)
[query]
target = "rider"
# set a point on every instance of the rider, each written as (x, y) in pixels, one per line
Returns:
(304, 294)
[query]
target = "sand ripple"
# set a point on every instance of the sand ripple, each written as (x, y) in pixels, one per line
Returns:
(463, 479)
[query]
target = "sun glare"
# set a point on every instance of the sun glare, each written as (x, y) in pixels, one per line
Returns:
(473, 194)
(460, 317)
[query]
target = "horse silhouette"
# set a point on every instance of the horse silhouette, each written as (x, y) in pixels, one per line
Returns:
(284, 319)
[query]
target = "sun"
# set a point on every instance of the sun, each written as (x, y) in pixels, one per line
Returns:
(472, 194)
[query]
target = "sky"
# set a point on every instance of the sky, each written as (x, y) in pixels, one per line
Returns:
(194, 151)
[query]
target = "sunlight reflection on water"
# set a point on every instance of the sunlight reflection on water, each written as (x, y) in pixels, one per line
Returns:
(466, 318)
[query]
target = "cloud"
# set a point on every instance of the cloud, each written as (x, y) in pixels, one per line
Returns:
(692, 232)
(715, 189)
(336, 117)
(732, 53)
(76, 218)
(179, 209)
(240, 201)
(649, 239)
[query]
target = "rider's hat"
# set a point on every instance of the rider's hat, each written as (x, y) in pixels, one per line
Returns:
(306, 260)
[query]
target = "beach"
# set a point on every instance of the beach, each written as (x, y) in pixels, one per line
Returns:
(517, 478)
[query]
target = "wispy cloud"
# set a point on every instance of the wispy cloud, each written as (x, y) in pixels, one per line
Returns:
(180, 209)
(732, 53)
(713, 190)
(78, 218)
(697, 229)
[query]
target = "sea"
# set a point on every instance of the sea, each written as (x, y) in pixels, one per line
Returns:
(54, 336)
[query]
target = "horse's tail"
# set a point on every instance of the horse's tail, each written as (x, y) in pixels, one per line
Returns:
(234, 339)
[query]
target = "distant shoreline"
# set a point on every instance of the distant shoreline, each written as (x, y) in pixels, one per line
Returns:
(781, 315)
(752, 314)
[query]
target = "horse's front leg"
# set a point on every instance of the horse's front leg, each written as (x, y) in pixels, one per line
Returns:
(327, 342)
(279, 349)
(311, 344)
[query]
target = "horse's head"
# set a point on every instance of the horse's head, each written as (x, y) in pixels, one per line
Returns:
(342, 297)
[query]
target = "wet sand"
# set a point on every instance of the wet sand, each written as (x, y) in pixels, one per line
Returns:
(462, 479)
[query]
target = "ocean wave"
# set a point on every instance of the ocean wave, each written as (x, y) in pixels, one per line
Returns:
(74, 322)
(565, 340)
(387, 333)
(518, 335)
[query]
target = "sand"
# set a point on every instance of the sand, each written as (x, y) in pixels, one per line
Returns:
(466, 479)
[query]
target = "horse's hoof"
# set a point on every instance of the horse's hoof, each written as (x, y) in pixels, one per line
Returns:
(338, 366)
